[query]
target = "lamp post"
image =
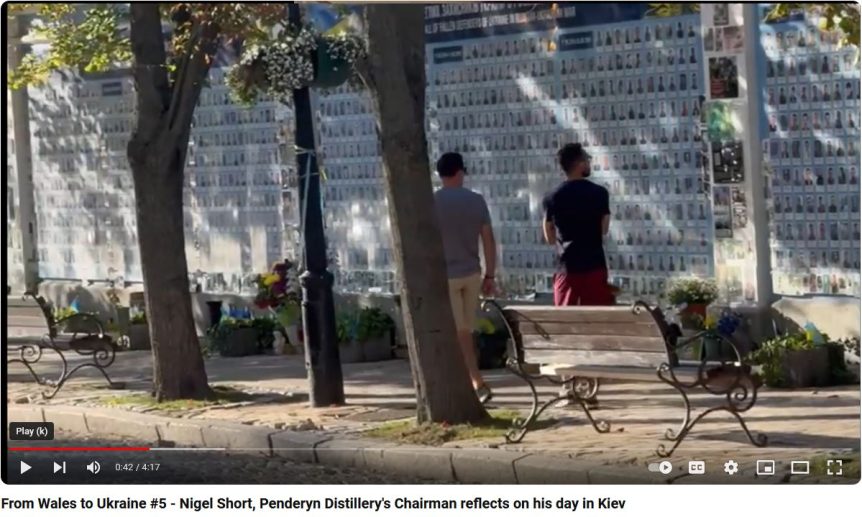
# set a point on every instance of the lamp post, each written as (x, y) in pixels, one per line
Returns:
(326, 386)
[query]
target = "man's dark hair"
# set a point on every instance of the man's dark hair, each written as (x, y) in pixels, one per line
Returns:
(570, 154)
(449, 164)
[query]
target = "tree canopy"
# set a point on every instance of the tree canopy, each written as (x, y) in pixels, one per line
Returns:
(96, 37)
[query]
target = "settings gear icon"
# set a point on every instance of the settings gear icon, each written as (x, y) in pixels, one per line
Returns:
(731, 467)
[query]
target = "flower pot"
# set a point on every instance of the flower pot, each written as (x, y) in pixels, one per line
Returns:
(695, 309)
(491, 351)
(716, 349)
(294, 343)
(350, 352)
(328, 72)
(123, 320)
(692, 317)
(241, 342)
(805, 368)
(139, 337)
(377, 349)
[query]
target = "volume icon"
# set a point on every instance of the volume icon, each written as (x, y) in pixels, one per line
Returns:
(94, 467)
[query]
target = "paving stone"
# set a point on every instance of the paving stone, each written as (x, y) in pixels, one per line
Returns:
(544, 469)
(344, 453)
(25, 413)
(120, 423)
(299, 446)
(237, 437)
(181, 433)
(423, 462)
(67, 419)
(477, 466)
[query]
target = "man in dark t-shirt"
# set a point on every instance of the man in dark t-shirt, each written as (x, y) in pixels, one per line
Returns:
(577, 215)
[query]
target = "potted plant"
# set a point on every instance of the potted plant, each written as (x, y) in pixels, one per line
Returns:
(715, 346)
(364, 335)
(66, 322)
(693, 295)
(139, 330)
(800, 359)
(279, 292)
(234, 337)
(491, 344)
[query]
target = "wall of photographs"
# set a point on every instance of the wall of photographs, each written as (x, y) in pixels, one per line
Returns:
(357, 217)
(811, 97)
(629, 88)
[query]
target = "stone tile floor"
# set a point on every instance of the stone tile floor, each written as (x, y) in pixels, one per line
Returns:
(800, 424)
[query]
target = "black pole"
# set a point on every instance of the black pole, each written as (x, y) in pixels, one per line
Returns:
(326, 385)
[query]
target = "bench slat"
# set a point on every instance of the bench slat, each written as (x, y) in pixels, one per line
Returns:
(574, 343)
(595, 357)
(580, 314)
(591, 328)
(26, 321)
(635, 374)
(30, 310)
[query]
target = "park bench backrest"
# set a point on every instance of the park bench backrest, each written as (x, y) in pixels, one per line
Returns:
(25, 317)
(601, 336)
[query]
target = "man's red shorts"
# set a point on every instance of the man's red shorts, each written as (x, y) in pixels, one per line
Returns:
(590, 288)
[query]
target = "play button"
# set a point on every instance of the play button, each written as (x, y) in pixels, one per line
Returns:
(25, 467)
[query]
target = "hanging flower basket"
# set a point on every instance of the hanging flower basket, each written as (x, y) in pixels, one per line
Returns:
(297, 58)
(334, 59)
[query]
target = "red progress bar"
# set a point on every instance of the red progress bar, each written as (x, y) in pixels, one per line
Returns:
(78, 449)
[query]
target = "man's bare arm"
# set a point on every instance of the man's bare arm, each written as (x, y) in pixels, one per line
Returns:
(489, 247)
(549, 230)
(606, 224)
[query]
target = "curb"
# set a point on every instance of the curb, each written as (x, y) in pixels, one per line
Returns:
(471, 466)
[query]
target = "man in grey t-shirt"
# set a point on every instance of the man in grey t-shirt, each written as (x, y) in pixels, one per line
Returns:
(464, 217)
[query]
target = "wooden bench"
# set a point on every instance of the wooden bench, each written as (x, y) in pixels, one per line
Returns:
(31, 328)
(578, 347)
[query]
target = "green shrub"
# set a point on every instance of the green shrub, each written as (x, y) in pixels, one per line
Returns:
(363, 325)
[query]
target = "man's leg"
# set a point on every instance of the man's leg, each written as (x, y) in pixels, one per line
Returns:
(594, 288)
(458, 293)
(563, 293)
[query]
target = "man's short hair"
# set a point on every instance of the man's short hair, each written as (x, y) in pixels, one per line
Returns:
(449, 164)
(570, 154)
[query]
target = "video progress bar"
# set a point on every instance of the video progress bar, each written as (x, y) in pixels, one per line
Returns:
(111, 449)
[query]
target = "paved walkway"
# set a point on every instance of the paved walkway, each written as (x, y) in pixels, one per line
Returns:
(800, 424)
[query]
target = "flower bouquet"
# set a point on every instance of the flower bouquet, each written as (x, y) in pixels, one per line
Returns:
(278, 291)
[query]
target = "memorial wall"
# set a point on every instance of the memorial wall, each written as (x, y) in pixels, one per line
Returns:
(730, 151)
(810, 134)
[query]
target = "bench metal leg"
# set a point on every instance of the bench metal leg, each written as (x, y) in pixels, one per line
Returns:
(576, 394)
(100, 359)
(30, 354)
(739, 395)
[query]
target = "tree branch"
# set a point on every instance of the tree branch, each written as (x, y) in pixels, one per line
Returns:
(191, 73)
(149, 70)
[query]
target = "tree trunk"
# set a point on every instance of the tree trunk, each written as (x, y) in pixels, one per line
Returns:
(156, 153)
(178, 367)
(397, 56)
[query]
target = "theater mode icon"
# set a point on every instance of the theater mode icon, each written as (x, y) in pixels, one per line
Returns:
(799, 467)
